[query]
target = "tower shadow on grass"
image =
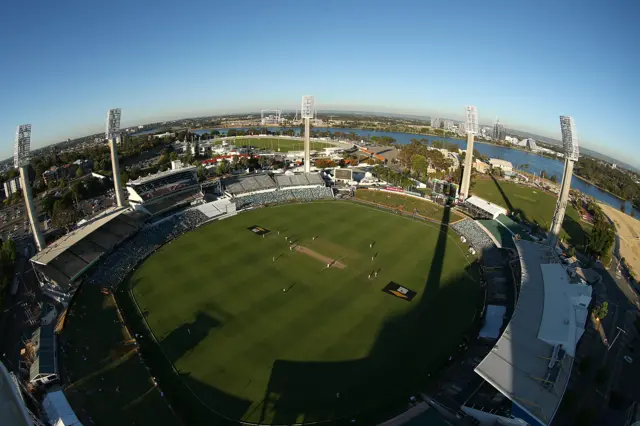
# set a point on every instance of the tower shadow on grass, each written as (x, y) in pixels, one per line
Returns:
(408, 349)
(189, 335)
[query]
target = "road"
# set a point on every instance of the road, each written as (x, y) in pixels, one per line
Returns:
(621, 376)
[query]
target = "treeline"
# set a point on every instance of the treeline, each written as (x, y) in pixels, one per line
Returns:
(7, 265)
(615, 181)
(394, 178)
(423, 162)
(603, 233)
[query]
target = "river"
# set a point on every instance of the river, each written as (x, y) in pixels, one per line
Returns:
(535, 163)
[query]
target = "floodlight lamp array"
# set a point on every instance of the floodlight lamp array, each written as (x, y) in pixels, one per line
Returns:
(112, 130)
(22, 145)
(471, 119)
(569, 138)
(307, 109)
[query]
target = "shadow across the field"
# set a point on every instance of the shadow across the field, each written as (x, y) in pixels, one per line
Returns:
(407, 351)
(189, 335)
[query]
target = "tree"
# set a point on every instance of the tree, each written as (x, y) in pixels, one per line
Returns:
(62, 217)
(554, 179)
(79, 172)
(77, 189)
(419, 165)
(601, 311)
(173, 156)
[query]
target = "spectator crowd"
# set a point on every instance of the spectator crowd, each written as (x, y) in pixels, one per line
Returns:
(479, 240)
(115, 267)
(283, 196)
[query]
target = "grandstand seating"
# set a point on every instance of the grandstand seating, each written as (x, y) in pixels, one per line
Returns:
(161, 184)
(238, 185)
(306, 179)
(284, 196)
(479, 240)
(119, 263)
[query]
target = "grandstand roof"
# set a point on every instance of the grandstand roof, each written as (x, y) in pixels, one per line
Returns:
(303, 179)
(57, 407)
(519, 365)
(492, 209)
(56, 248)
(44, 362)
(142, 180)
(12, 407)
(565, 308)
(248, 183)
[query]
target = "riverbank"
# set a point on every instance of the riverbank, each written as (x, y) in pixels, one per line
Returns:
(601, 189)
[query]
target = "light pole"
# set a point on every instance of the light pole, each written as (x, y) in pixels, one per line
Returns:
(307, 113)
(616, 338)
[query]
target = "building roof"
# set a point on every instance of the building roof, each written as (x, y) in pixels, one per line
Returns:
(493, 321)
(303, 179)
(565, 308)
(249, 183)
(58, 410)
(56, 248)
(492, 209)
(500, 163)
(530, 372)
(142, 180)
(13, 411)
(44, 362)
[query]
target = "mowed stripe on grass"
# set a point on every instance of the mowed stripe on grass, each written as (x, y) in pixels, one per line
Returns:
(221, 284)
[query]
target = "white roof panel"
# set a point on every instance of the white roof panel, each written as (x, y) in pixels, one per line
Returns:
(493, 209)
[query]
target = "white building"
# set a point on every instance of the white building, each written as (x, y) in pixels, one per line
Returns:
(511, 139)
(448, 125)
(435, 122)
(11, 186)
(503, 165)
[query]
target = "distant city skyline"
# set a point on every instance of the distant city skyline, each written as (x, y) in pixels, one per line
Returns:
(166, 62)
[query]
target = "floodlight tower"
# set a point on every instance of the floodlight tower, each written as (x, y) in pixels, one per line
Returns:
(21, 160)
(306, 112)
(471, 126)
(571, 148)
(112, 133)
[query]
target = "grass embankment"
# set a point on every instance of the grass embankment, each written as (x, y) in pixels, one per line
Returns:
(406, 203)
(333, 344)
(533, 205)
(278, 144)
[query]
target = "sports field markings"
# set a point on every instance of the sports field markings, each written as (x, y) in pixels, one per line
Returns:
(324, 259)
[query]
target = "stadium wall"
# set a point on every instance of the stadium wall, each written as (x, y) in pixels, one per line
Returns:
(261, 191)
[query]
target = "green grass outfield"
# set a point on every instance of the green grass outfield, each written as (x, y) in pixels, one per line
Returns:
(281, 144)
(406, 203)
(214, 299)
(534, 205)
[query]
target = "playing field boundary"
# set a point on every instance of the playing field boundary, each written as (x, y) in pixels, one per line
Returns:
(132, 311)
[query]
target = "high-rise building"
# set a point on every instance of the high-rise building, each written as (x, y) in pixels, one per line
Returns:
(448, 125)
(570, 144)
(499, 132)
(11, 186)
(435, 122)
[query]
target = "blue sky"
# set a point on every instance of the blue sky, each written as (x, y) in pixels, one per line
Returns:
(63, 64)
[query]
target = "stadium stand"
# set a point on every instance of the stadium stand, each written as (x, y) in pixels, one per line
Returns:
(119, 263)
(13, 410)
(483, 209)
(245, 185)
(283, 196)
(60, 266)
(158, 193)
(218, 208)
(479, 240)
(299, 180)
(44, 368)
(531, 362)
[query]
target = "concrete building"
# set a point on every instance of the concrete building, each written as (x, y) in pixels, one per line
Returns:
(503, 165)
(11, 186)
(481, 166)
(435, 122)
(511, 139)
(448, 125)
(499, 132)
